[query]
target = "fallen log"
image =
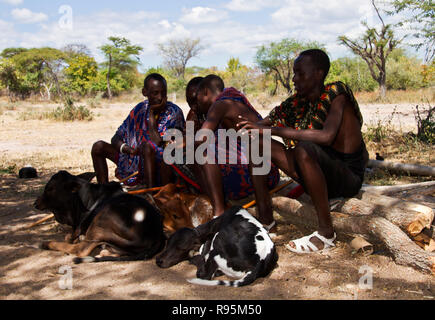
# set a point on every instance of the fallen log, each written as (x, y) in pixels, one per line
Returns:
(414, 169)
(411, 217)
(388, 190)
(373, 228)
(425, 242)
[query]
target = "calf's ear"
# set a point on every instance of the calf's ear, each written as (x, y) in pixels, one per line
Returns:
(88, 176)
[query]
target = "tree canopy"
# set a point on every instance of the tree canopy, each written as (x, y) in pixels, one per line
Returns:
(278, 58)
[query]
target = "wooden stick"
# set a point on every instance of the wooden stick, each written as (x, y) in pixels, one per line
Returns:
(399, 188)
(277, 189)
(47, 218)
(142, 191)
(129, 177)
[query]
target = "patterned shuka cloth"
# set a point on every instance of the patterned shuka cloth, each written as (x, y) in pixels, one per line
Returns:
(236, 177)
(134, 131)
(237, 182)
(301, 114)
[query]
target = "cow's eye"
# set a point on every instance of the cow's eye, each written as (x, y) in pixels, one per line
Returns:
(175, 217)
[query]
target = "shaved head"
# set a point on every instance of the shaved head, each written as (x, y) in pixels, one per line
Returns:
(213, 83)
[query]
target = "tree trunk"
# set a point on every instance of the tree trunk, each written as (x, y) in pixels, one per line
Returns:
(374, 229)
(47, 89)
(403, 167)
(387, 190)
(382, 86)
(109, 91)
(411, 217)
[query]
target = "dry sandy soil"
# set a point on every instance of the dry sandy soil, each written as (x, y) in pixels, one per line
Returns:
(29, 273)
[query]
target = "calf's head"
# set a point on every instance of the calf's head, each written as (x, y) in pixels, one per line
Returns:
(61, 197)
(178, 248)
(174, 207)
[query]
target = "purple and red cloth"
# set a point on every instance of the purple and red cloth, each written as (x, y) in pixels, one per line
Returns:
(134, 131)
(237, 182)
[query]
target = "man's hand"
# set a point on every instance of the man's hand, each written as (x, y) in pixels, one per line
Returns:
(248, 126)
(126, 149)
(157, 108)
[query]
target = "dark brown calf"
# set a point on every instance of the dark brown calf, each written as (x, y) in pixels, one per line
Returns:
(128, 226)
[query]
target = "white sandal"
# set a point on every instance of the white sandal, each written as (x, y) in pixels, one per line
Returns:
(303, 245)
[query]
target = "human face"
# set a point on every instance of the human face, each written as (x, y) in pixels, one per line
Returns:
(191, 97)
(307, 78)
(155, 92)
(204, 101)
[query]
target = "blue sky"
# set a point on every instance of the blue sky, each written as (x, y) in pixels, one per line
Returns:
(229, 28)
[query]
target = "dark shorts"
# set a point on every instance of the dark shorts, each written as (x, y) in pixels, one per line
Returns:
(344, 173)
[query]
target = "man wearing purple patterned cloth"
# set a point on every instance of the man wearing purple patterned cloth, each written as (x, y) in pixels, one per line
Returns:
(138, 145)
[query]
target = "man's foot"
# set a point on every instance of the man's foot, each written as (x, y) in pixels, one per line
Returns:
(271, 228)
(311, 243)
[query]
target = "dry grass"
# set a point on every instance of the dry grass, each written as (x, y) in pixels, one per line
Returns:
(402, 148)
(419, 96)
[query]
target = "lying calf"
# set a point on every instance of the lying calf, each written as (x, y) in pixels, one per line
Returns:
(182, 210)
(235, 244)
(128, 226)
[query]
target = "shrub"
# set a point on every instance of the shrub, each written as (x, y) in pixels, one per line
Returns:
(69, 112)
(426, 126)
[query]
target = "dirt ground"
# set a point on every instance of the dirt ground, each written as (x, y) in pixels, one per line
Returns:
(27, 272)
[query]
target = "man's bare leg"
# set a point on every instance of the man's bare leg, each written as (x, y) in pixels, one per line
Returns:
(314, 182)
(264, 200)
(100, 152)
(212, 184)
(149, 162)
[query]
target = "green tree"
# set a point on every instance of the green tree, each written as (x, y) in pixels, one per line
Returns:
(8, 78)
(404, 72)
(374, 47)
(421, 22)
(33, 70)
(122, 59)
(277, 59)
(80, 72)
(352, 71)
(233, 65)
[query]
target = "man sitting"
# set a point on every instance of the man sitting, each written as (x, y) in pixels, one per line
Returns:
(138, 144)
(324, 148)
(221, 108)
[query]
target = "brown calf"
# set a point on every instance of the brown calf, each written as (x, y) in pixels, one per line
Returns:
(182, 210)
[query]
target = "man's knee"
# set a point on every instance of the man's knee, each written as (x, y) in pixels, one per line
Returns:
(98, 148)
(147, 150)
(304, 152)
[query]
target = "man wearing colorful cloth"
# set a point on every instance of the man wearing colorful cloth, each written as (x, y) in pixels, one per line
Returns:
(222, 108)
(138, 145)
(236, 178)
(324, 149)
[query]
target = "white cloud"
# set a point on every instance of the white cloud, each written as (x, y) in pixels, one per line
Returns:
(200, 15)
(26, 16)
(309, 21)
(13, 2)
(251, 5)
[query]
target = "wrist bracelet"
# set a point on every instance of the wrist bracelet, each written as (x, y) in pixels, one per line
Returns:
(122, 147)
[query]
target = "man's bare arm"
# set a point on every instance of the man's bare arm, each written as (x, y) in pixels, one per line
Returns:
(117, 143)
(152, 122)
(324, 136)
(215, 115)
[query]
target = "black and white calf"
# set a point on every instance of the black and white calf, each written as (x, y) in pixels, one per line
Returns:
(234, 244)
